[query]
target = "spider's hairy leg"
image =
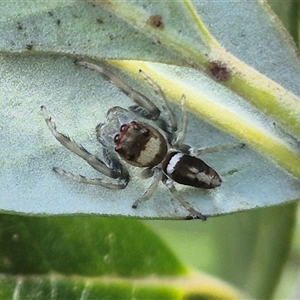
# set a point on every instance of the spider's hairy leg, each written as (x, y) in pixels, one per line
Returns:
(112, 161)
(164, 102)
(194, 213)
(120, 184)
(202, 151)
(181, 135)
(142, 101)
(157, 176)
(91, 159)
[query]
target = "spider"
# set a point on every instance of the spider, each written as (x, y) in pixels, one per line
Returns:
(159, 150)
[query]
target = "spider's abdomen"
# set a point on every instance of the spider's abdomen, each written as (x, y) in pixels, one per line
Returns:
(190, 170)
(140, 145)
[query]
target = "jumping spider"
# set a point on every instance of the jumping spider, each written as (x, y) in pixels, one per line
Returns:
(159, 151)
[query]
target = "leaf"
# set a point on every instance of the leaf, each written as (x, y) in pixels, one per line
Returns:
(250, 250)
(289, 15)
(265, 173)
(208, 54)
(74, 28)
(90, 257)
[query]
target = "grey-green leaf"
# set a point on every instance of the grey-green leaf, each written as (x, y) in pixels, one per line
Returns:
(264, 173)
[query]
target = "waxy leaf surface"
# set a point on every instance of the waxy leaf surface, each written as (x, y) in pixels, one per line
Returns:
(256, 104)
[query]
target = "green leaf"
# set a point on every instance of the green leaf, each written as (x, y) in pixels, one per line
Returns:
(32, 245)
(288, 12)
(93, 258)
(249, 250)
(237, 94)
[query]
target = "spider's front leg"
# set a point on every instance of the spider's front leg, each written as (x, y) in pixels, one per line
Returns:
(144, 105)
(113, 168)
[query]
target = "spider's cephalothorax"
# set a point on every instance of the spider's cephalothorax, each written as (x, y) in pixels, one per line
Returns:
(140, 145)
(159, 151)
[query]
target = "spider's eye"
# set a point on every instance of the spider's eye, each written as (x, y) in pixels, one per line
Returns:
(135, 125)
(131, 157)
(123, 127)
(116, 138)
(146, 132)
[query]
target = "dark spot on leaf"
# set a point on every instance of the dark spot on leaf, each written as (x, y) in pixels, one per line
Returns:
(29, 47)
(219, 71)
(231, 172)
(156, 21)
